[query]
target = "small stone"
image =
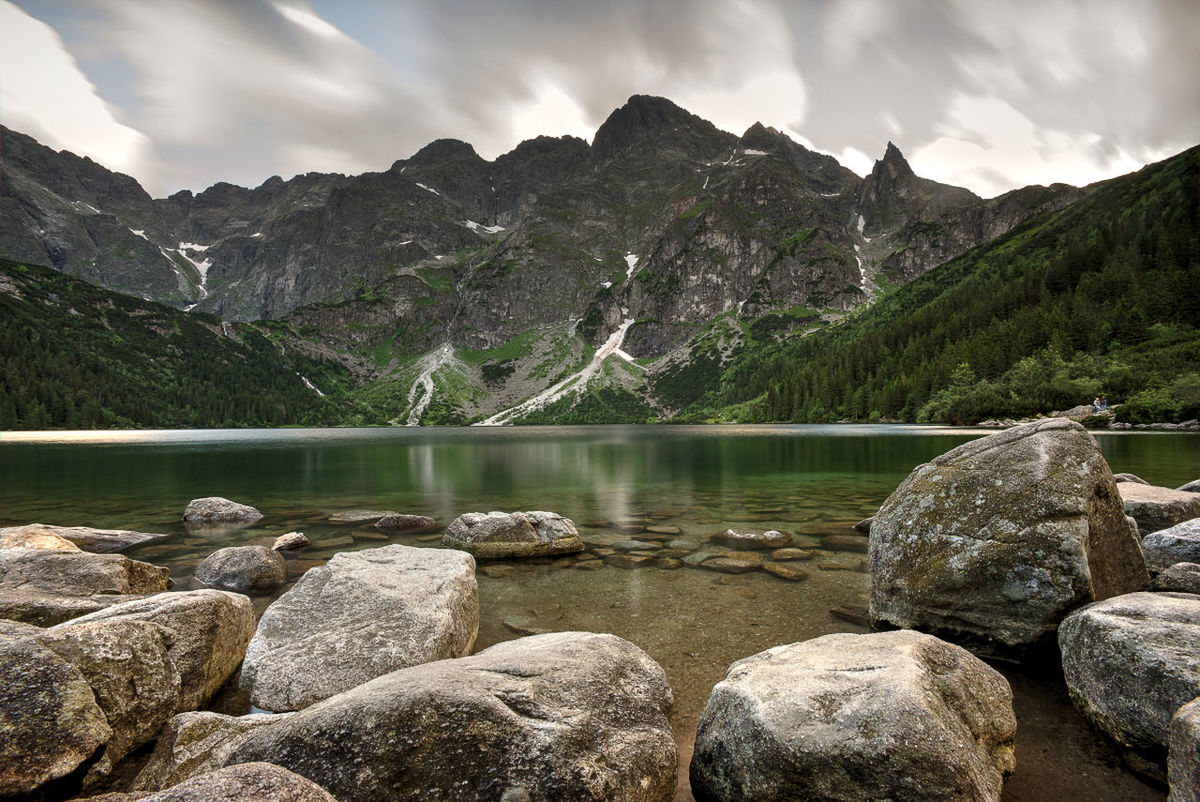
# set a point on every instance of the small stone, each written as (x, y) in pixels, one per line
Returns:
(684, 544)
(290, 542)
(864, 525)
(668, 563)
(629, 561)
(755, 539)
(358, 516)
(845, 543)
(831, 565)
(215, 509)
(636, 545)
(852, 615)
(785, 571)
(727, 565)
(695, 559)
(497, 571)
(791, 554)
(405, 523)
(660, 529)
(590, 565)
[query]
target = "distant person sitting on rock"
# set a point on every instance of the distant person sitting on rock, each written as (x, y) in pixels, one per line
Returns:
(1104, 403)
(1096, 404)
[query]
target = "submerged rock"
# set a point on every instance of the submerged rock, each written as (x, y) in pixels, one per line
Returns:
(217, 510)
(1156, 508)
(291, 541)
(754, 539)
(243, 569)
(85, 537)
(513, 534)
(210, 630)
(864, 525)
(994, 542)
(563, 716)
(1175, 544)
(361, 615)
(404, 523)
(1130, 662)
(894, 715)
(359, 516)
(785, 571)
(852, 543)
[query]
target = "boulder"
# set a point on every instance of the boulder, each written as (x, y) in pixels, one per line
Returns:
(49, 720)
(127, 664)
(1129, 477)
(245, 781)
(361, 615)
(731, 565)
(404, 523)
(1190, 487)
(359, 516)
(892, 715)
(242, 569)
(210, 627)
(994, 542)
(1178, 578)
(46, 587)
(1183, 761)
(754, 539)
(1131, 661)
(196, 743)
(34, 536)
(86, 537)
(217, 510)
(563, 716)
(513, 534)
(290, 541)
(48, 609)
(1081, 411)
(1155, 508)
(1175, 544)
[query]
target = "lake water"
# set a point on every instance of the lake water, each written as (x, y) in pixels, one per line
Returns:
(615, 482)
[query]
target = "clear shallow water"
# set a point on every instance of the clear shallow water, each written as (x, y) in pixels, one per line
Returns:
(612, 480)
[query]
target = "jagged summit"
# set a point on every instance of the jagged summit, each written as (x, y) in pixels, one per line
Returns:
(442, 150)
(645, 116)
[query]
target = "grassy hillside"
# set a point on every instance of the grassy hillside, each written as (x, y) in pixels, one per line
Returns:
(1103, 296)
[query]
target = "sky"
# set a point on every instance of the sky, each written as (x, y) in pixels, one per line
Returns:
(992, 96)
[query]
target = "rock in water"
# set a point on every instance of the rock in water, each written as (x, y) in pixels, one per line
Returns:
(85, 537)
(217, 510)
(562, 716)
(1183, 763)
(210, 627)
(754, 539)
(404, 523)
(1190, 487)
(359, 516)
(1130, 662)
(361, 615)
(994, 542)
(513, 534)
(1129, 477)
(1155, 508)
(243, 569)
(34, 536)
(49, 720)
(290, 541)
(893, 715)
(1175, 544)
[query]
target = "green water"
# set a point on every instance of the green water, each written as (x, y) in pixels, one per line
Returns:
(811, 481)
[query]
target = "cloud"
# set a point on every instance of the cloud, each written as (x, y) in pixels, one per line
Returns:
(55, 103)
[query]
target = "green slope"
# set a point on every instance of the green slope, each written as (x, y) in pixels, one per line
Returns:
(1102, 296)
(73, 355)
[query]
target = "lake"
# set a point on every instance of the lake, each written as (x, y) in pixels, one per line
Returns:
(615, 482)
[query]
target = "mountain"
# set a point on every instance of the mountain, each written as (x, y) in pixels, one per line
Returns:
(559, 281)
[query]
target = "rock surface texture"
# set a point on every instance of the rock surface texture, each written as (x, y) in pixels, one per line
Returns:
(85, 537)
(242, 569)
(361, 615)
(994, 542)
(755, 539)
(240, 783)
(210, 631)
(217, 510)
(1175, 544)
(1179, 578)
(1155, 508)
(513, 534)
(562, 716)
(1183, 762)
(894, 715)
(1130, 662)
(398, 522)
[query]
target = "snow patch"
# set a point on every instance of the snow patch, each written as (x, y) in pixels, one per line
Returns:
(752, 152)
(705, 182)
(429, 364)
(577, 381)
(259, 234)
(439, 257)
(606, 284)
(860, 224)
(631, 259)
(201, 266)
(139, 233)
(406, 242)
(310, 386)
(476, 227)
(429, 189)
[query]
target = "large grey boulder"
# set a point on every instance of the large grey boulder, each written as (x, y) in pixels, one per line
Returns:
(243, 569)
(49, 586)
(127, 664)
(893, 715)
(1155, 508)
(1175, 544)
(210, 629)
(513, 534)
(399, 522)
(49, 720)
(1130, 662)
(561, 716)
(217, 510)
(361, 615)
(85, 537)
(1183, 760)
(994, 542)
(240, 783)
(196, 743)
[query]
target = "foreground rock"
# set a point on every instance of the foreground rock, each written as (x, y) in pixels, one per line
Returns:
(404, 523)
(46, 587)
(1190, 487)
(895, 715)
(1183, 762)
(243, 569)
(210, 630)
(995, 541)
(1156, 508)
(85, 537)
(361, 615)
(513, 534)
(34, 536)
(246, 781)
(1175, 544)
(754, 539)
(563, 716)
(1178, 578)
(1130, 662)
(196, 743)
(291, 541)
(217, 510)
(49, 720)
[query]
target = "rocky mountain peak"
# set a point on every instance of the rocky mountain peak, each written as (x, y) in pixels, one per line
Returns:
(893, 165)
(646, 117)
(440, 150)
